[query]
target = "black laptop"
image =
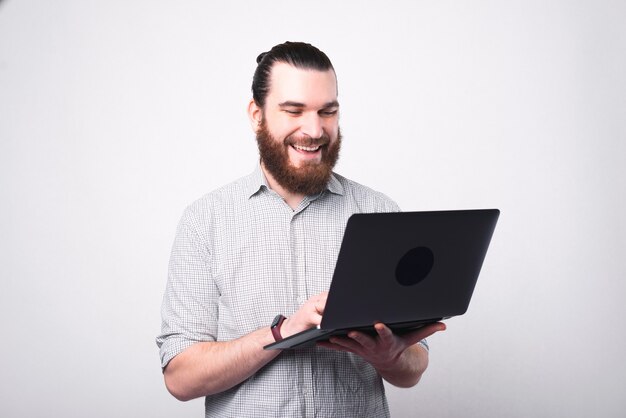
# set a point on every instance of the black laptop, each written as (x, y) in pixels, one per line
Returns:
(405, 269)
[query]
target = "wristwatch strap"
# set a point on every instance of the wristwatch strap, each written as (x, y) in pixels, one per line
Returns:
(275, 327)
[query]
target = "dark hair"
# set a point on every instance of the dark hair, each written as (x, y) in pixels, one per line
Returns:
(299, 54)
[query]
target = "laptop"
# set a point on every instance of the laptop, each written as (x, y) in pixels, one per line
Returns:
(405, 269)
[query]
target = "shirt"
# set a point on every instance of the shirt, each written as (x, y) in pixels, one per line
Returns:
(240, 257)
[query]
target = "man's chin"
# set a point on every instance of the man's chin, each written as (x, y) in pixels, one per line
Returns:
(298, 160)
(304, 165)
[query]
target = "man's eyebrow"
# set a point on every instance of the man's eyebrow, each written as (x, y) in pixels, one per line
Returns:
(290, 103)
(334, 103)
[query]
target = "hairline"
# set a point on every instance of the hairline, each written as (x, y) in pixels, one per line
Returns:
(299, 67)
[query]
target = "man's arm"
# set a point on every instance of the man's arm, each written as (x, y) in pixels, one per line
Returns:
(398, 359)
(207, 368)
(211, 367)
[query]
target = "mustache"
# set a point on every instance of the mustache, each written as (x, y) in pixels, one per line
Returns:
(307, 141)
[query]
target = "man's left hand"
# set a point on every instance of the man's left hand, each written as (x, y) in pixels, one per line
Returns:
(383, 350)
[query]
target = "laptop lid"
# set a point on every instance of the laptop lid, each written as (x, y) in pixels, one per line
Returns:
(404, 269)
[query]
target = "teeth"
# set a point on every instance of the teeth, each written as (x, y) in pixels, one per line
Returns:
(310, 149)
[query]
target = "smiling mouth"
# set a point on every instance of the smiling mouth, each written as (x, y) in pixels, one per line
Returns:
(307, 149)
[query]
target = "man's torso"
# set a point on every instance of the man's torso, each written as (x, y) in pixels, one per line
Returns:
(262, 258)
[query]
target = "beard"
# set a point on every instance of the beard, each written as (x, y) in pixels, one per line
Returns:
(311, 177)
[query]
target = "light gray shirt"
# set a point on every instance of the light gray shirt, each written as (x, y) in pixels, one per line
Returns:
(241, 256)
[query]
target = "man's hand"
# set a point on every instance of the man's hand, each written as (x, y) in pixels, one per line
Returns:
(307, 316)
(395, 357)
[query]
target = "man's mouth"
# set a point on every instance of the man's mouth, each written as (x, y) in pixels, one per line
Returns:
(307, 149)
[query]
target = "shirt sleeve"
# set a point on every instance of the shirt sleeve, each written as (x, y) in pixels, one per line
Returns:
(190, 304)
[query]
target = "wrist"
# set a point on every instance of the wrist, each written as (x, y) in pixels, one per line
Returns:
(276, 327)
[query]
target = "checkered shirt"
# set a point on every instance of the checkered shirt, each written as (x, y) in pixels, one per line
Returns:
(241, 255)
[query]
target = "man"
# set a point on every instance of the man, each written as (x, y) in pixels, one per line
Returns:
(267, 245)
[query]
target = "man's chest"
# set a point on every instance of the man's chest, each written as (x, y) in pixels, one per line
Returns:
(269, 264)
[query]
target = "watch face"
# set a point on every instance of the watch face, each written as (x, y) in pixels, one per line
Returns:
(276, 321)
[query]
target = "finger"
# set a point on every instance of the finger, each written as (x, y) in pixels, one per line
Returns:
(317, 308)
(331, 346)
(430, 329)
(347, 343)
(316, 318)
(321, 301)
(320, 297)
(318, 302)
(384, 333)
(364, 340)
(423, 332)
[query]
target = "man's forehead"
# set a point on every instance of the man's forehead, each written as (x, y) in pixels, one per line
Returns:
(307, 86)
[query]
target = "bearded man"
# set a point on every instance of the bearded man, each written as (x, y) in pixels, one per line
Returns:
(261, 251)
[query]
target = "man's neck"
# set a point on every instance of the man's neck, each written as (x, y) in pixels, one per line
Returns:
(292, 199)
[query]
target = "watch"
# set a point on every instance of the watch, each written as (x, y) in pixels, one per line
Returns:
(275, 327)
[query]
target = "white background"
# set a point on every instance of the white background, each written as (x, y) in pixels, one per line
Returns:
(115, 115)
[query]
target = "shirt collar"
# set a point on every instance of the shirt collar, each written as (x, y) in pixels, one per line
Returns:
(256, 181)
(334, 185)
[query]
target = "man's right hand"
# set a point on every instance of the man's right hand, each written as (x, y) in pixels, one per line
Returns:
(309, 315)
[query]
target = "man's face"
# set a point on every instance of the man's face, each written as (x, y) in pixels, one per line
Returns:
(299, 136)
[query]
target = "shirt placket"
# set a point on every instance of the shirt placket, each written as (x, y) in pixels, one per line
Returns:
(301, 291)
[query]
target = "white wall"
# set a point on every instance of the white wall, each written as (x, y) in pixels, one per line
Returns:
(115, 115)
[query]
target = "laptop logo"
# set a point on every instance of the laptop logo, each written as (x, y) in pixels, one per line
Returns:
(414, 266)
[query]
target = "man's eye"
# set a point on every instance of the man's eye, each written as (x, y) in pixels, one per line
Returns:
(294, 112)
(329, 112)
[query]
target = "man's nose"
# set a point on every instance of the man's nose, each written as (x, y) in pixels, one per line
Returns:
(312, 125)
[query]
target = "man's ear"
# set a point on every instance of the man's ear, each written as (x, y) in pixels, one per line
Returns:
(255, 114)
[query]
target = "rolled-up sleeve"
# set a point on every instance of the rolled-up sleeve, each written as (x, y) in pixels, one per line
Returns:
(190, 304)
